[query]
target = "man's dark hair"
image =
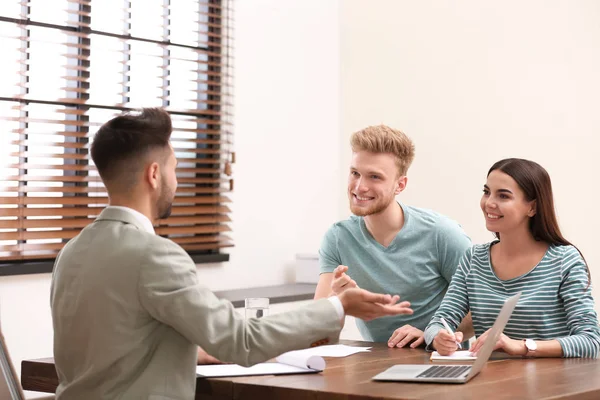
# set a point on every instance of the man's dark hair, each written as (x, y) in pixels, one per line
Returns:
(121, 143)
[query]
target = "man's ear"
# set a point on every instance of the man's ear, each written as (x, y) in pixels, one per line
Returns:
(153, 174)
(533, 208)
(401, 184)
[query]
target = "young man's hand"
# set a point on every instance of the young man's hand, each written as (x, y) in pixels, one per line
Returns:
(365, 305)
(341, 281)
(406, 334)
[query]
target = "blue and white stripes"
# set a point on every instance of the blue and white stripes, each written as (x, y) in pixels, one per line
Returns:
(556, 302)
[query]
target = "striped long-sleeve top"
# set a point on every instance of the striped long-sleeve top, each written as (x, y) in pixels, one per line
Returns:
(556, 302)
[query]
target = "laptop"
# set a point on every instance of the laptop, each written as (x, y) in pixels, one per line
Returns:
(452, 373)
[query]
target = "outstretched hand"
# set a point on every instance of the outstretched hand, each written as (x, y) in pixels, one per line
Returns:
(365, 305)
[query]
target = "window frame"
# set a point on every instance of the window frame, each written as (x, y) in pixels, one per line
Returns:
(218, 55)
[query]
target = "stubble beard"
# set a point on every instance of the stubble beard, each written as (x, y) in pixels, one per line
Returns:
(165, 203)
(376, 208)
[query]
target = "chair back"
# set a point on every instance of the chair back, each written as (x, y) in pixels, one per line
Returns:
(10, 388)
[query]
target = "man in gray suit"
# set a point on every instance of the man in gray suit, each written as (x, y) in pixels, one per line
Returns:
(127, 308)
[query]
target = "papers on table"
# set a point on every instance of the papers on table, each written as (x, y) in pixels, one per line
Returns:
(222, 370)
(461, 355)
(292, 362)
(334, 350)
(300, 360)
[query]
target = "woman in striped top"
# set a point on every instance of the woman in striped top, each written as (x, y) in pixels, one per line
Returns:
(555, 315)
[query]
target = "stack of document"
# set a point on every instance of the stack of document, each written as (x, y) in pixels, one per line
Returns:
(293, 362)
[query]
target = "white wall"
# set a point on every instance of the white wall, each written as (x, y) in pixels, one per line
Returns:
(286, 138)
(473, 82)
(287, 146)
(25, 317)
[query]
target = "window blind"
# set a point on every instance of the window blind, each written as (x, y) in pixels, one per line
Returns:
(70, 65)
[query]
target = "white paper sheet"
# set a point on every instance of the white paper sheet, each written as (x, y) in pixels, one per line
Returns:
(460, 355)
(292, 362)
(222, 370)
(334, 350)
(306, 361)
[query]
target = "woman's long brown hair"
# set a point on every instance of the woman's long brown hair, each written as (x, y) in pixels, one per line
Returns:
(535, 182)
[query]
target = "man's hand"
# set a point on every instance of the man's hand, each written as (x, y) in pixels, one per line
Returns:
(406, 334)
(504, 343)
(205, 358)
(446, 343)
(341, 281)
(365, 305)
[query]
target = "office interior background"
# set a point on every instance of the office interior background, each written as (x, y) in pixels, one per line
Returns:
(471, 82)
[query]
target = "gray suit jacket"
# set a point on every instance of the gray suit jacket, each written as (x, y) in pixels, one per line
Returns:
(128, 313)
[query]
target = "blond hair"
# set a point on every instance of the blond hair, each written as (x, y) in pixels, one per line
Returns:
(383, 139)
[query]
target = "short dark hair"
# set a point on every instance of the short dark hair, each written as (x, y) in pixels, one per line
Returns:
(121, 142)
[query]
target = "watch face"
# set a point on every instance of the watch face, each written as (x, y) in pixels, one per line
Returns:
(531, 344)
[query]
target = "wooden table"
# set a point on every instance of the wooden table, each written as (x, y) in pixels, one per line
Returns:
(350, 379)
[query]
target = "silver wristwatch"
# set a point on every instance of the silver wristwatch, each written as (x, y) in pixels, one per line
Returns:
(531, 347)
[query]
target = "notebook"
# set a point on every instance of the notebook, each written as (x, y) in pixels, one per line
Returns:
(453, 373)
(293, 362)
(285, 364)
(461, 355)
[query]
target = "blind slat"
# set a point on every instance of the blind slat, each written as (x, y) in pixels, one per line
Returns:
(83, 179)
(201, 239)
(83, 222)
(78, 211)
(75, 189)
(207, 246)
(70, 67)
(72, 145)
(31, 247)
(179, 230)
(207, 238)
(45, 223)
(104, 200)
(33, 235)
(71, 233)
(176, 131)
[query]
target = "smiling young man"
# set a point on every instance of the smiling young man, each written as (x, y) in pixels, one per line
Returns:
(388, 246)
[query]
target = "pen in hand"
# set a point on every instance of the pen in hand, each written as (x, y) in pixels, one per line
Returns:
(449, 331)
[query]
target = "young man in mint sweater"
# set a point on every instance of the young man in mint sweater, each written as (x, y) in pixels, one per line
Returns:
(387, 246)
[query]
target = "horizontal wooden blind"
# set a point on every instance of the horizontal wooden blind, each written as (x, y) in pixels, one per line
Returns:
(70, 65)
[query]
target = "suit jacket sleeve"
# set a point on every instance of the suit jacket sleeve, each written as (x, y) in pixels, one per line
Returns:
(170, 292)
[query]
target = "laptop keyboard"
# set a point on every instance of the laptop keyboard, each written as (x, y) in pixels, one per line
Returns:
(444, 371)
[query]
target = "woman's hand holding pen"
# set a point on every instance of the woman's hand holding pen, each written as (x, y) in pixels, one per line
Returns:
(446, 343)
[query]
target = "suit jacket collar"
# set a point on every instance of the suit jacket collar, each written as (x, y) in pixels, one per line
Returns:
(118, 214)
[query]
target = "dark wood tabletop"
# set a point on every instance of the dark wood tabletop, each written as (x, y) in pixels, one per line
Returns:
(349, 378)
